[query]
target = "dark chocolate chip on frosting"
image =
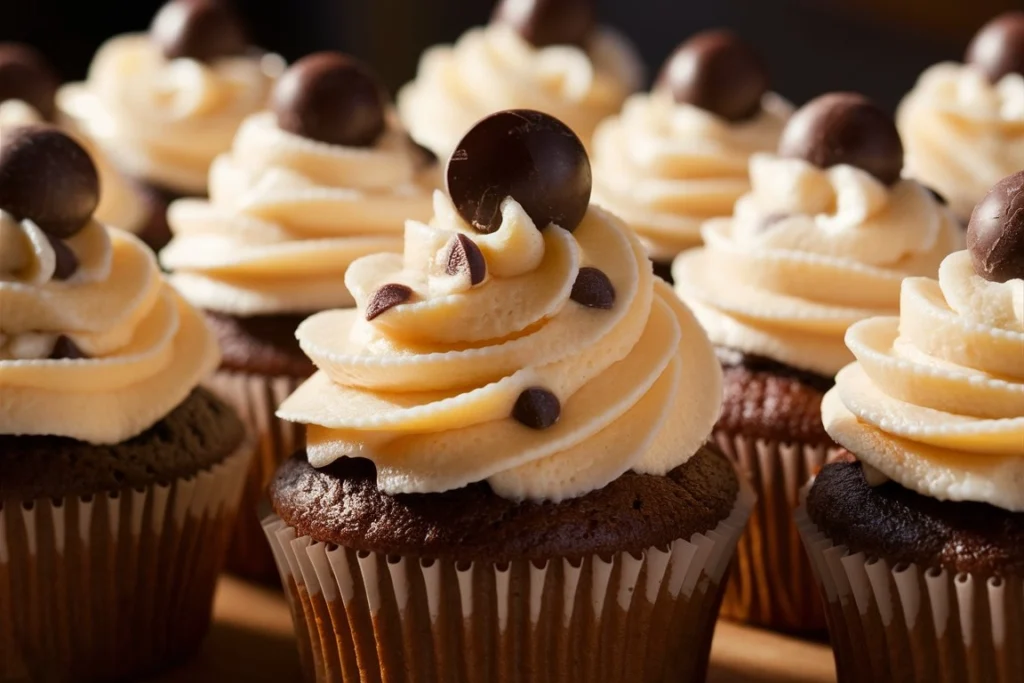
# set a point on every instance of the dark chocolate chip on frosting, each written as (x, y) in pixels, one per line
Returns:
(204, 30)
(66, 261)
(25, 75)
(48, 178)
(995, 235)
(718, 72)
(529, 156)
(65, 349)
(332, 98)
(386, 298)
(537, 408)
(845, 128)
(549, 22)
(593, 289)
(998, 48)
(465, 257)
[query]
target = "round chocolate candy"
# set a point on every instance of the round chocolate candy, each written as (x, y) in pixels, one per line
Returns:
(48, 178)
(998, 48)
(995, 235)
(718, 72)
(25, 75)
(529, 156)
(537, 408)
(332, 98)
(549, 22)
(845, 128)
(204, 30)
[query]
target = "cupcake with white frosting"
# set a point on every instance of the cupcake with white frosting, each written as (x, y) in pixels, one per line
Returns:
(918, 539)
(823, 240)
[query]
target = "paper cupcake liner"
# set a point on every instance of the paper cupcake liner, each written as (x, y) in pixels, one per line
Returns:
(368, 617)
(255, 398)
(771, 583)
(113, 585)
(901, 622)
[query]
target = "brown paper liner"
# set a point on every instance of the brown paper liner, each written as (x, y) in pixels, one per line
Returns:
(115, 585)
(255, 398)
(900, 622)
(623, 619)
(771, 583)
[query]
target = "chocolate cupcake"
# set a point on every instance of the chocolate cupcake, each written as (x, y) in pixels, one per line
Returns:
(917, 538)
(164, 104)
(678, 156)
(506, 474)
(963, 124)
(547, 55)
(325, 177)
(822, 241)
(120, 479)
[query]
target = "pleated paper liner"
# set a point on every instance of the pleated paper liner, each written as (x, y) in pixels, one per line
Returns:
(116, 585)
(901, 622)
(771, 583)
(622, 619)
(255, 398)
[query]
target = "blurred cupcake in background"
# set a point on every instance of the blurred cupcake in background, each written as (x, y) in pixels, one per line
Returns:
(823, 240)
(679, 155)
(323, 178)
(28, 89)
(164, 104)
(548, 55)
(963, 124)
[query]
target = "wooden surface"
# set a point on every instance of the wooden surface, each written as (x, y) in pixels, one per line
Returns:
(252, 641)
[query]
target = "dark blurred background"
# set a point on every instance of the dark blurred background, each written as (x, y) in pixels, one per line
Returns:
(877, 47)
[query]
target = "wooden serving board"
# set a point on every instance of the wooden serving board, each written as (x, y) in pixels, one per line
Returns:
(252, 641)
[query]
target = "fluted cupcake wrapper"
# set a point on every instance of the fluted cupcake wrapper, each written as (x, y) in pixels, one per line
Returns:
(771, 583)
(901, 622)
(114, 585)
(255, 398)
(369, 617)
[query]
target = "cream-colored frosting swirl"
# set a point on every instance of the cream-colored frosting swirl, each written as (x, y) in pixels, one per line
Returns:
(808, 253)
(935, 400)
(145, 348)
(165, 121)
(666, 167)
(962, 133)
(493, 68)
(426, 389)
(287, 215)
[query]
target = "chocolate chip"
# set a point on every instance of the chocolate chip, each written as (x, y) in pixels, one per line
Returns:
(387, 297)
(465, 257)
(995, 235)
(593, 289)
(718, 72)
(529, 156)
(549, 22)
(845, 128)
(936, 195)
(332, 98)
(26, 75)
(204, 30)
(47, 177)
(65, 349)
(537, 408)
(998, 48)
(67, 262)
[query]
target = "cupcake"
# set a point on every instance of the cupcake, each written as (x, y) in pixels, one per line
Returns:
(679, 155)
(549, 55)
(119, 479)
(166, 103)
(325, 177)
(918, 538)
(28, 89)
(963, 124)
(506, 474)
(823, 240)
